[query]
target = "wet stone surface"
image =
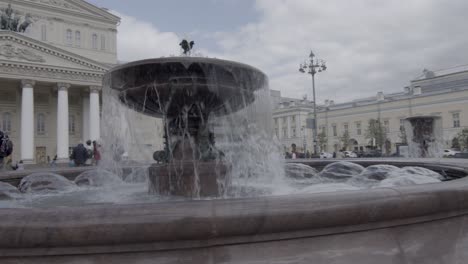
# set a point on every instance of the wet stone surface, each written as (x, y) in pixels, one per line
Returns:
(299, 171)
(97, 178)
(45, 182)
(8, 191)
(341, 171)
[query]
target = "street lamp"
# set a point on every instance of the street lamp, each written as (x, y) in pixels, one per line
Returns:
(311, 67)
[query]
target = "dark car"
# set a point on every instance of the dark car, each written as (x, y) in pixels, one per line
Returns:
(463, 155)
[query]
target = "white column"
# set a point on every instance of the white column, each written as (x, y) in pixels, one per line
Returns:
(94, 119)
(85, 124)
(27, 121)
(62, 121)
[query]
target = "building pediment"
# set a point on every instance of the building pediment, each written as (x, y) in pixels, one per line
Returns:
(24, 57)
(17, 48)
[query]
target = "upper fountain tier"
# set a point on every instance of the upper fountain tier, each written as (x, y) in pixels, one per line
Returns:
(175, 84)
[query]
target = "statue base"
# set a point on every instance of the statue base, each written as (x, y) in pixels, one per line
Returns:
(187, 178)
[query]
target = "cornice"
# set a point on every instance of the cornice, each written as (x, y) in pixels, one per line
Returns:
(23, 71)
(95, 15)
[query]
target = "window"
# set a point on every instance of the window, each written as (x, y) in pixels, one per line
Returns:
(293, 132)
(71, 124)
(103, 42)
(335, 133)
(324, 130)
(386, 124)
(284, 121)
(358, 129)
(276, 121)
(77, 38)
(345, 126)
(293, 119)
(284, 132)
(456, 119)
(277, 132)
(94, 41)
(69, 37)
(40, 124)
(43, 32)
(6, 123)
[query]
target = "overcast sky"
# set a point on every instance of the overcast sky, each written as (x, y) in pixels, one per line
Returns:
(369, 45)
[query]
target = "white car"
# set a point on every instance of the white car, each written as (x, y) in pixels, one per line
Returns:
(450, 153)
(326, 155)
(350, 154)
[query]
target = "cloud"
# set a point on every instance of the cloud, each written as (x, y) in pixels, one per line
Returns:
(138, 39)
(369, 45)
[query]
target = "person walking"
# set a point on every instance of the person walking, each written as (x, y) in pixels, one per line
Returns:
(6, 149)
(90, 152)
(97, 152)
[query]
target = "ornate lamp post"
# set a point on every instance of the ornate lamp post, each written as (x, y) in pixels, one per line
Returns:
(311, 67)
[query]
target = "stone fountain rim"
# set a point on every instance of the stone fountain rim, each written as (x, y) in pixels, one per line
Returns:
(188, 59)
(206, 223)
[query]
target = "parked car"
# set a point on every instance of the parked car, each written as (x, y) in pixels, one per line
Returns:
(349, 154)
(326, 155)
(450, 152)
(461, 155)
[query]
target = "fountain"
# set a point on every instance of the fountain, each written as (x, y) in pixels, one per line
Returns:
(186, 92)
(319, 211)
(425, 138)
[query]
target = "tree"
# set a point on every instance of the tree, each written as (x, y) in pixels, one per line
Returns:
(322, 140)
(463, 139)
(345, 140)
(455, 143)
(376, 131)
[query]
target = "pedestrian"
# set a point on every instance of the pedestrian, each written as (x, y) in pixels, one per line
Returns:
(6, 148)
(97, 152)
(90, 152)
(54, 162)
(79, 155)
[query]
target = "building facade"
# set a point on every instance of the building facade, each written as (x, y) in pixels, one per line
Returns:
(51, 75)
(443, 93)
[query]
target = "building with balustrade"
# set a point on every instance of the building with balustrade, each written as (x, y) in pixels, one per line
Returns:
(441, 93)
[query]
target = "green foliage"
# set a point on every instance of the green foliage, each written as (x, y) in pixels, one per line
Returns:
(455, 143)
(376, 131)
(345, 140)
(463, 139)
(322, 140)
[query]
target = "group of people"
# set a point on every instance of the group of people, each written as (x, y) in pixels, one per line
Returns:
(6, 151)
(86, 155)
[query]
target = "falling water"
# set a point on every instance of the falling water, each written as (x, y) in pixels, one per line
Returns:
(425, 139)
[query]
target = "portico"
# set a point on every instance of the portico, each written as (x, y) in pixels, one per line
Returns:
(57, 98)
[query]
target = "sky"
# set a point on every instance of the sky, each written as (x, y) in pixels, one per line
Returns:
(368, 45)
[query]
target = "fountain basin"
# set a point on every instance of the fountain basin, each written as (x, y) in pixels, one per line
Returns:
(413, 224)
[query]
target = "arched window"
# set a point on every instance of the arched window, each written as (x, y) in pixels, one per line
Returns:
(69, 37)
(103, 42)
(43, 32)
(71, 124)
(40, 124)
(94, 41)
(6, 123)
(77, 38)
